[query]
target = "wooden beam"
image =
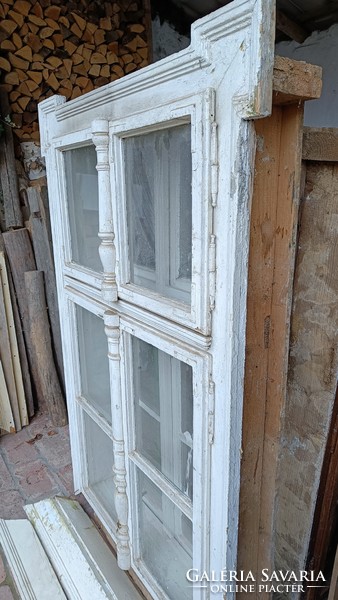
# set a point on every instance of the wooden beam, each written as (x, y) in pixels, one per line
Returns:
(292, 29)
(295, 80)
(8, 175)
(271, 263)
(320, 144)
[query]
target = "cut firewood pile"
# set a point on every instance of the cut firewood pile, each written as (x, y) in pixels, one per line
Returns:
(69, 48)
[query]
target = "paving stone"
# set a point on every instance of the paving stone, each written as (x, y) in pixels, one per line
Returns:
(55, 448)
(40, 423)
(11, 505)
(66, 476)
(36, 481)
(18, 450)
(5, 593)
(2, 571)
(6, 480)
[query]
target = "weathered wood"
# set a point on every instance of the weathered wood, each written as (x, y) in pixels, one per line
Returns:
(6, 415)
(313, 365)
(295, 80)
(44, 262)
(292, 29)
(21, 342)
(21, 258)
(47, 383)
(7, 363)
(20, 393)
(271, 259)
(325, 519)
(320, 144)
(8, 176)
(333, 593)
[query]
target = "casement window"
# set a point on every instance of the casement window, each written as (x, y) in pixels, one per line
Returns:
(149, 185)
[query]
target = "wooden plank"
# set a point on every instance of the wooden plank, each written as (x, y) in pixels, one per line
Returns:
(333, 593)
(45, 262)
(21, 258)
(320, 144)
(8, 176)
(47, 381)
(313, 368)
(292, 29)
(6, 414)
(7, 363)
(21, 342)
(271, 260)
(324, 522)
(295, 80)
(20, 392)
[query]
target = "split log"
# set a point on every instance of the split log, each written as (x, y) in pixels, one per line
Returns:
(63, 40)
(48, 385)
(8, 176)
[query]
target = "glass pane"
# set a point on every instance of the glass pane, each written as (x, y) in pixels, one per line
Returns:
(94, 362)
(99, 456)
(159, 209)
(165, 540)
(83, 205)
(163, 400)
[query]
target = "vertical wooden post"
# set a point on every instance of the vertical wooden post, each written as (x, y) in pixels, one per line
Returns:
(8, 176)
(112, 330)
(271, 265)
(107, 252)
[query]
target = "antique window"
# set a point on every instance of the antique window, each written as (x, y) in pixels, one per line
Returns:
(149, 182)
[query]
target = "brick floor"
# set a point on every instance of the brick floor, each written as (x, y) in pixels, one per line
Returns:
(35, 463)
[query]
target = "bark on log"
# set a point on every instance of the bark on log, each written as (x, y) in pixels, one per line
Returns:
(48, 385)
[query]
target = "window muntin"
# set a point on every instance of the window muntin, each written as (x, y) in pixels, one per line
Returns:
(158, 175)
(81, 180)
(93, 361)
(165, 539)
(163, 405)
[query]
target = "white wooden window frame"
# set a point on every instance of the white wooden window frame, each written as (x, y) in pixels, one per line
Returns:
(231, 53)
(198, 111)
(198, 511)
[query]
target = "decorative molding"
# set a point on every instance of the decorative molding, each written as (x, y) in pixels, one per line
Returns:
(236, 16)
(100, 130)
(112, 329)
(80, 557)
(46, 110)
(29, 565)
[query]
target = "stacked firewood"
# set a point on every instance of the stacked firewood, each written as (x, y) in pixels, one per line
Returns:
(68, 48)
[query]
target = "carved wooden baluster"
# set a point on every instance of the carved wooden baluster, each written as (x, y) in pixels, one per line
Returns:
(100, 137)
(112, 330)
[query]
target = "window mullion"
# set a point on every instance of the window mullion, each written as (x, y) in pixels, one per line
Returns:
(100, 136)
(112, 329)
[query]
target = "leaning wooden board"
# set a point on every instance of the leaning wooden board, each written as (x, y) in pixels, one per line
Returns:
(7, 363)
(20, 392)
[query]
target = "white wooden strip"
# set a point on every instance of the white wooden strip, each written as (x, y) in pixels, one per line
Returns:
(6, 415)
(13, 342)
(30, 567)
(83, 561)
